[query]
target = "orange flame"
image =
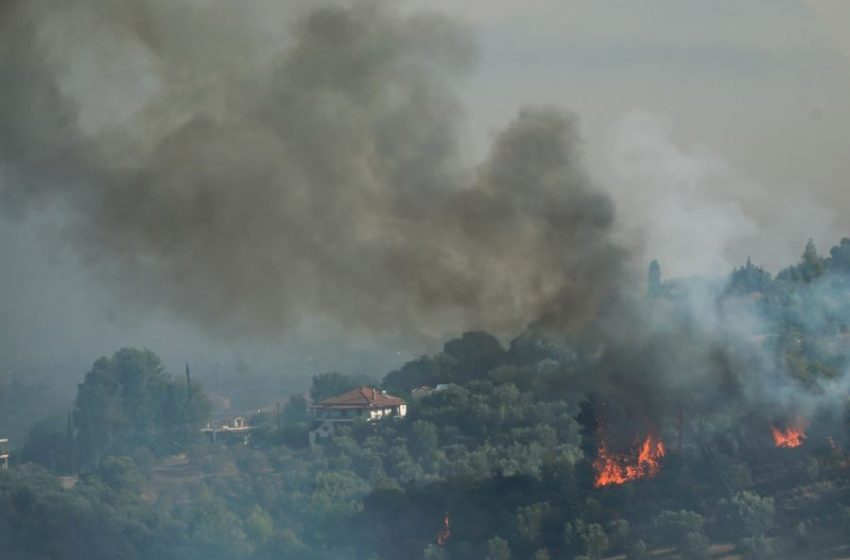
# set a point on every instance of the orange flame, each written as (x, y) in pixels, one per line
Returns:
(619, 468)
(792, 436)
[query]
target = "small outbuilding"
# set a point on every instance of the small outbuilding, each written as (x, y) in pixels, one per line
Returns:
(4, 453)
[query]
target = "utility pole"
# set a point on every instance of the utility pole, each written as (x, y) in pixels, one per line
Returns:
(681, 427)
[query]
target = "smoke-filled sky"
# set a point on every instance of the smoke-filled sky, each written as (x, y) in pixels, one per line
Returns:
(734, 112)
(269, 181)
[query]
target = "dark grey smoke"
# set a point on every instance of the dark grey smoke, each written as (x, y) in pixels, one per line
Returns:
(660, 360)
(266, 178)
(257, 166)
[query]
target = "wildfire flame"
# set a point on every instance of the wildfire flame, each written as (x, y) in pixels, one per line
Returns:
(619, 468)
(445, 532)
(792, 436)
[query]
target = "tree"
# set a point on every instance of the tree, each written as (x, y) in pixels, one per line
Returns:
(216, 531)
(259, 526)
(334, 383)
(128, 400)
(638, 551)
(801, 534)
(535, 345)
(595, 540)
(694, 546)
(120, 473)
(749, 515)
(93, 520)
(295, 410)
(653, 283)
(476, 352)
(529, 521)
(750, 279)
(498, 549)
(424, 440)
(434, 552)
(840, 256)
(590, 538)
(425, 370)
(618, 531)
(811, 264)
(757, 548)
(673, 526)
(48, 445)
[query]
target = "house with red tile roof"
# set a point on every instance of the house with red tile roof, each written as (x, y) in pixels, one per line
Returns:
(363, 403)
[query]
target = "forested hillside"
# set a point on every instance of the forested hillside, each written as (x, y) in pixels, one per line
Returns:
(552, 446)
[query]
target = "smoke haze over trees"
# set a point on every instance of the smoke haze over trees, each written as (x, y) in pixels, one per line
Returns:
(259, 168)
(507, 449)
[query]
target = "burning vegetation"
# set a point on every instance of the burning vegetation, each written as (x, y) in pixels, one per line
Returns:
(643, 461)
(445, 532)
(793, 435)
(345, 141)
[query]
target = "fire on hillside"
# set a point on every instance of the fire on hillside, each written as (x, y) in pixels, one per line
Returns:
(643, 461)
(793, 435)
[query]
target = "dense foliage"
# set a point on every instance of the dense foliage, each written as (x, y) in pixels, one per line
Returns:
(128, 401)
(504, 449)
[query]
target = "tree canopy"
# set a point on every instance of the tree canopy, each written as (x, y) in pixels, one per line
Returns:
(128, 400)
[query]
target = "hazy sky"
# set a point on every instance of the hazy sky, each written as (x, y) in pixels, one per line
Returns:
(719, 127)
(735, 109)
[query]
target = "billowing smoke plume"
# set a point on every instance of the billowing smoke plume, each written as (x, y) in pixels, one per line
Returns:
(252, 167)
(257, 172)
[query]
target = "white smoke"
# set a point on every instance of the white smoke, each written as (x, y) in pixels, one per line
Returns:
(694, 212)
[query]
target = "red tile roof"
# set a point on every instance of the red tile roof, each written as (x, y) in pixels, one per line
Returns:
(362, 397)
